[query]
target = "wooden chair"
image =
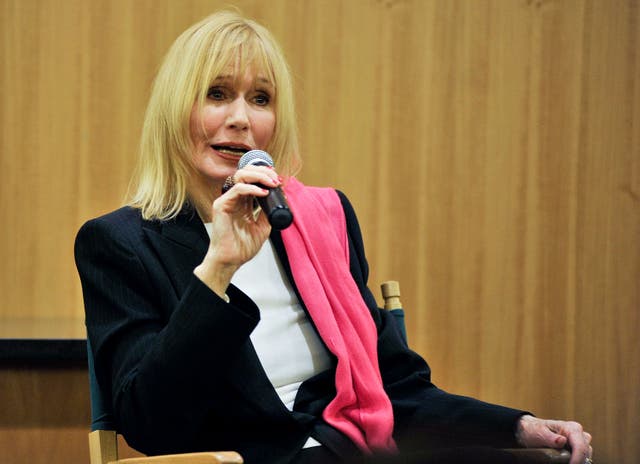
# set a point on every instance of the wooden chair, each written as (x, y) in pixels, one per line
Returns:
(391, 296)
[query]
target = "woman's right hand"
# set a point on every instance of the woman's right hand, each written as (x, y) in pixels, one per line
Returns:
(238, 230)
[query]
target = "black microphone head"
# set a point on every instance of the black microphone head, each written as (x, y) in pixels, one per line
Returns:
(255, 158)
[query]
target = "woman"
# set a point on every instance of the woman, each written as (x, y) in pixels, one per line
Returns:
(213, 331)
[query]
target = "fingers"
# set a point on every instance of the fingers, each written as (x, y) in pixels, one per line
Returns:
(239, 191)
(579, 442)
(534, 432)
(575, 438)
(263, 175)
(239, 195)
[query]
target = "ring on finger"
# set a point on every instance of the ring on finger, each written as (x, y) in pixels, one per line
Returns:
(228, 183)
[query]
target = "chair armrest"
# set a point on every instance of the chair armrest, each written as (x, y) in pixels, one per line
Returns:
(103, 448)
(217, 457)
(539, 455)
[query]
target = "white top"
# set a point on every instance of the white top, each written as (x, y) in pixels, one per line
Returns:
(287, 344)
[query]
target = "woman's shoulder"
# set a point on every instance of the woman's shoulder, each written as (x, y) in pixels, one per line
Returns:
(125, 216)
(124, 223)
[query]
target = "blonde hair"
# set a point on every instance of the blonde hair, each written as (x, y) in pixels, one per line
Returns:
(196, 58)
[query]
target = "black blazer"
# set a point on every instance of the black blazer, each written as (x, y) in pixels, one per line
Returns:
(184, 375)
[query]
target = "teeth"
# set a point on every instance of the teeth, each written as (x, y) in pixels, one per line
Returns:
(230, 150)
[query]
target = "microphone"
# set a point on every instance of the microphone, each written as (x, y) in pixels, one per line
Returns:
(274, 204)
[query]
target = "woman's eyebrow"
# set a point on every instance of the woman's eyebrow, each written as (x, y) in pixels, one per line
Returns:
(265, 81)
(230, 77)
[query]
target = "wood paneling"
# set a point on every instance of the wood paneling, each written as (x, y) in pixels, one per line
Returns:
(45, 414)
(491, 149)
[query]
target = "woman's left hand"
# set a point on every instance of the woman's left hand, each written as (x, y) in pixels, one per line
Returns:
(533, 432)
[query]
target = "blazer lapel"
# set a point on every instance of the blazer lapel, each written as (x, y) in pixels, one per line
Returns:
(180, 243)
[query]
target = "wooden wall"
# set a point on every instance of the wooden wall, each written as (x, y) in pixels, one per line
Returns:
(491, 148)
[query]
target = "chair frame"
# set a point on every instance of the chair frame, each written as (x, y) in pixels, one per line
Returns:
(103, 449)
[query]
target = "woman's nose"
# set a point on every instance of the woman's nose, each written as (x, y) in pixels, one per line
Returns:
(238, 117)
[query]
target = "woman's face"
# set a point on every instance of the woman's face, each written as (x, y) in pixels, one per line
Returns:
(238, 116)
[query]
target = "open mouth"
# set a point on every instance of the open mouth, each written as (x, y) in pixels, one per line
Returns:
(229, 150)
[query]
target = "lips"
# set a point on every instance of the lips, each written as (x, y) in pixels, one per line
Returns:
(230, 151)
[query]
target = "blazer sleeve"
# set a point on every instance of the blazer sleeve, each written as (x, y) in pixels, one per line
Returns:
(423, 413)
(150, 345)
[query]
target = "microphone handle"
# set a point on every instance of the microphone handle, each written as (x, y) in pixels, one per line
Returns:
(275, 207)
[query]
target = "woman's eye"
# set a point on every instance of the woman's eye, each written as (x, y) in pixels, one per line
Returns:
(262, 99)
(215, 93)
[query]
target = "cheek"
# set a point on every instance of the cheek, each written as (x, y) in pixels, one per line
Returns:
(203, 123)
(265, 130)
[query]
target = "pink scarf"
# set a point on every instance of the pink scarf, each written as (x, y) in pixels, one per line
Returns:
(318, 250)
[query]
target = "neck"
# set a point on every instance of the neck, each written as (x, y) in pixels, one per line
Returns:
(202, 199)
